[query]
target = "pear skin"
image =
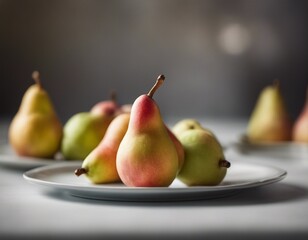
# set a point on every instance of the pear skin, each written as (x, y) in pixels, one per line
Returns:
(147, 156)
(100, 165)
(188, 124)
(179, 148)
(82, 133)
(105, 107)
(300, 128)
(269, 121)
(126, 108)
(185, 124)
(36, 130)
(204, 163)
(108, 107)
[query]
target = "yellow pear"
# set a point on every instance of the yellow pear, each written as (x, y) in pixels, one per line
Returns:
(35, 130)
(269, 121)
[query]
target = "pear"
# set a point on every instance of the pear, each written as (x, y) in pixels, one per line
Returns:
(179, 148)
(35, 130)
(204, 163)
(82, 133)
(107, 107)
(188, 124)
(269, 121)
(126, 108)
(147, 157)
(84, 130)
(100, 165)
(300, 128)
(184, 125)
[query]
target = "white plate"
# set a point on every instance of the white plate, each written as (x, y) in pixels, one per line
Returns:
(9, 158)
(281, 150)
(240, 176)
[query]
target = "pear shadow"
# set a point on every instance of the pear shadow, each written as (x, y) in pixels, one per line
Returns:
(281, 192)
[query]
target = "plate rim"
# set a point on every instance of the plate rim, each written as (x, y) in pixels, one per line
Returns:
(28, 176)
(14, 160)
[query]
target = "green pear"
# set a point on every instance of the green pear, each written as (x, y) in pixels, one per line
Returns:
(147, 156)
(35, 130)
(188, 124)
(185, 124)
(300, 128)
(204, 163)
(269, 121)
(82, 133)
(100, 165)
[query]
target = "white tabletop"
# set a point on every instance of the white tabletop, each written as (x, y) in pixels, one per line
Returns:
(276, 211)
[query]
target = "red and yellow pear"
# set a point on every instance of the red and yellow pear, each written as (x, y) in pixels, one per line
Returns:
(100, 165)
(107, 107)
(300, 128)
(179, 148)
(147, 156)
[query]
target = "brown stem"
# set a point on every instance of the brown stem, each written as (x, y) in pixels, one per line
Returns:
(224, 163)
(36, 78)
(276, 83)
(157, 84)
(113, 96)
(80, 171)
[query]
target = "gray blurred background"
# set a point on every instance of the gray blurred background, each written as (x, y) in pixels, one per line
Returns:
(216, 54)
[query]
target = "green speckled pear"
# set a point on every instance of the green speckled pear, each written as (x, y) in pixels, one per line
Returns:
(204, 163)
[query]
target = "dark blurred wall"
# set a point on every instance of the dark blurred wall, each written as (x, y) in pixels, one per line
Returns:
(217, 54)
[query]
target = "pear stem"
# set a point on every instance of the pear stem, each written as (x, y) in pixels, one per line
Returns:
(80, 171)
(36, 78)
(158, 83)
(224, 163)
(113, 96)
(276, 83)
